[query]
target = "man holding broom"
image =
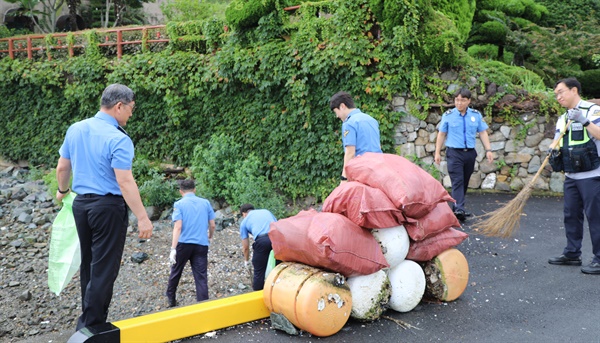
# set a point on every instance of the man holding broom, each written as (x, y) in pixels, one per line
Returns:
(579, 149)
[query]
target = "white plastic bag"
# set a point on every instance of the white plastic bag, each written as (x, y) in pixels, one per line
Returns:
(65, 256)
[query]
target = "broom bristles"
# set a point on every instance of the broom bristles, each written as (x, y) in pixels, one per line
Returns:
(504, 221)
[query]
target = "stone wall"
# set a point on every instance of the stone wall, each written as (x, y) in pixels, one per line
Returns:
(519, 151)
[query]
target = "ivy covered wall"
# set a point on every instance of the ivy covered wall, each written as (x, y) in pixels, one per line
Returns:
(265, 88)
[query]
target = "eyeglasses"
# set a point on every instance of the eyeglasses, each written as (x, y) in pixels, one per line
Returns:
(560, 93)
(461, 99)
(132, 107)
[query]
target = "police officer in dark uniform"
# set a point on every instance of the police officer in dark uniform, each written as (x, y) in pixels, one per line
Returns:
(579, 149)
(99, 154)
(458, 130)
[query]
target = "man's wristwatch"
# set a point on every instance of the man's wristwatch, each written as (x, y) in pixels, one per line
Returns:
(343, 178)
(586, 123)
(65, 191)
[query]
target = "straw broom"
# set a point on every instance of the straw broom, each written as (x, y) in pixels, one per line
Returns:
(505, 220)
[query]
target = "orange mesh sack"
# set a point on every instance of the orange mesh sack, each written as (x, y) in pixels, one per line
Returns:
(326, 240)
(432, 246)
(436, 221)
(365, 206)
(410, 188)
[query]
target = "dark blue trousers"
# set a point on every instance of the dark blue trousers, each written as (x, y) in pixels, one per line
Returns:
(260, 257)
(460, 168)
(102, 226)
(582, 197)
(198, 257)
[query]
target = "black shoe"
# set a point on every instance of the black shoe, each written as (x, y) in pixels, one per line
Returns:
(567, 261)
(592, 268)
(171, 302)
(460, 215)
(468, 214)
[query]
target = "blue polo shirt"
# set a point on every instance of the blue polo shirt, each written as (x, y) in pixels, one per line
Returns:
(361, 131)
(461, 130)
(194, 213)
(256, 223)
(95, 146)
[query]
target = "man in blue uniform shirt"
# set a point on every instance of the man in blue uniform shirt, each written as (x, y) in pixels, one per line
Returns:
(360, 131)
(458, 130)
(582, 171)
(194, 226)
(257, 223)
(99, 154)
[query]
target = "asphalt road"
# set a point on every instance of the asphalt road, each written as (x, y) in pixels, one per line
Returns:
(513, 294)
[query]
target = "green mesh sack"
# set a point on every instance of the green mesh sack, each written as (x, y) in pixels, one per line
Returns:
(65, 257)
(270, 264)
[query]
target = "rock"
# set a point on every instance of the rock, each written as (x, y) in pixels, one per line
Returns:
(280, 322)
(139, 257)
(489, 182)
(25, 296)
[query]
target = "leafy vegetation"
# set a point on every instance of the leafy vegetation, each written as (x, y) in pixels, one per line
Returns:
(245, 103)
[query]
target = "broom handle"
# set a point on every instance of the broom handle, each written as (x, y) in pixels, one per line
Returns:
(553, 145)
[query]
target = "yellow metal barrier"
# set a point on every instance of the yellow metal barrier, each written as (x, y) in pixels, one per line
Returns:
(194, 319)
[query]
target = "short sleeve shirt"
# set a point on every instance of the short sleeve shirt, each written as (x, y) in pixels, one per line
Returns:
(592, 112)
(194, 213)
(95, 147)
(462, 130)
(256, 223)
(361, 131)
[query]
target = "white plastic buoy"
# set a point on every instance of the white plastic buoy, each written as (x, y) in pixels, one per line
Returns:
(408, 285)
(394, 243)
(370, 295)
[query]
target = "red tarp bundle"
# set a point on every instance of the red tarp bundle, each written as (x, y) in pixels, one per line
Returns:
(327, 240)
(436, 221)
(410, 188)
(365, 206)
(432, 246)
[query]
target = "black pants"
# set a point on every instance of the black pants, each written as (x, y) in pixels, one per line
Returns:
(460, 168)
(102, 226)
(582, 197)
(260, 257)
(198, 257)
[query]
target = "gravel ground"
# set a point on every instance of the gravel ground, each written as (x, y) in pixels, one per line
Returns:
(30, 311)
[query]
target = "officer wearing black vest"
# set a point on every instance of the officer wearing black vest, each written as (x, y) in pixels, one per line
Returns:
(579, 151)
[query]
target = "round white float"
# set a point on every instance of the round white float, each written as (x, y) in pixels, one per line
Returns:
(370, 295)
(394, 243)
(408, 285)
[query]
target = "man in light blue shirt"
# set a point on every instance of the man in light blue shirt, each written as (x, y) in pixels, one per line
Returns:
(99, 153)
(194, 226)
(458, 130)
(360, 131)
(256, 223)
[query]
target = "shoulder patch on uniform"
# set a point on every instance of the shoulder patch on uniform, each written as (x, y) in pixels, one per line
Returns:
(474, 110)
(346, 133)
(447, 112)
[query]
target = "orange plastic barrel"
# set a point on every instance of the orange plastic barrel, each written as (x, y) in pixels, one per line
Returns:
(313, 300)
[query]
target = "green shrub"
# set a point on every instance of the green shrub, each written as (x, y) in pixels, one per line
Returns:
(215, 165)
(250, 185)
(158, 192)
(184, 10)
(590, 83)
(484, 51)
(461, 13)
(245, 14)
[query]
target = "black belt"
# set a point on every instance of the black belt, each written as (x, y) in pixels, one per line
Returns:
(261, 235)
(92, 195)
(462, 149)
